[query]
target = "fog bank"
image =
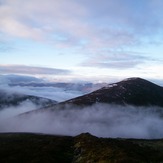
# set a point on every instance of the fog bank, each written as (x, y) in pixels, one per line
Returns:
(100, 119)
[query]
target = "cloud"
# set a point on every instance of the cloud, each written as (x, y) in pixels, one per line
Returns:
(101, 120)
(9, 112)
(53, 93)
(137, 17)
(38, 21)
(116, 60)
(30, 85)
(92, 29)
(16, 79)
(92, 25)
(22, 69)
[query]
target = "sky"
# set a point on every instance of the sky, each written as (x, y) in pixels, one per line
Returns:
(95, 40)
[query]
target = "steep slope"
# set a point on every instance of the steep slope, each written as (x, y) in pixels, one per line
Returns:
(79, 149)
(13, 99)
(132, 91)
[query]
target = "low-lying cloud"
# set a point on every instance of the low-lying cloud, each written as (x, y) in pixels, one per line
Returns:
(12, 84)
(101, 120)
(11, 111)
(53, 93)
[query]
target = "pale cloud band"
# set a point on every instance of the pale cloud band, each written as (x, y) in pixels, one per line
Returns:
(116, 60)
(92, 24)
(30, 70)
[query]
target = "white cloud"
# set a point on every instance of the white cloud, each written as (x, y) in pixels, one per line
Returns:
(12, 84)
(101, 120)
(102, 24)
(23, 107)
(90, 28)
(39, 18)
(116, 60)
(31, 70)
(53, 93)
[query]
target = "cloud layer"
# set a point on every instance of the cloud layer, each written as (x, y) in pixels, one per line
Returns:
(101, 120)
(77, 22)
(116, 60)
(40, 87)
(29, 70)
(94, 30)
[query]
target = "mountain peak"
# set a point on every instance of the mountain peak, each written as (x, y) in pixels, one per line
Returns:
(133, 78)
(131, 91)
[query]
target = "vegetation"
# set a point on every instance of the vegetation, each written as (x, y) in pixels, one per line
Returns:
(84, 148)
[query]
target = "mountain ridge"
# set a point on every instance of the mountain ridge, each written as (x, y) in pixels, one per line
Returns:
(30, 147)
(8, 99)
(132, 91)
(119, 93)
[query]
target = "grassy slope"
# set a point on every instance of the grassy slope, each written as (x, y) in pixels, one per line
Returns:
(35, 148)
(80, 149)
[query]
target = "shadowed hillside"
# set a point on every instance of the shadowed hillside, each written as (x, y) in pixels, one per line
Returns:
(8, 99)
(80, 149)
(132, 91)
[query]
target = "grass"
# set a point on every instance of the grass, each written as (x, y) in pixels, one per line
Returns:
(84, 148)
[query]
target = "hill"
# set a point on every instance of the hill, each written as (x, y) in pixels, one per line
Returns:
(23, 147)
(132, 91)
(8, 99)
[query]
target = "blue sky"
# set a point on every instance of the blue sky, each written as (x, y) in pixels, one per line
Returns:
(82, 40)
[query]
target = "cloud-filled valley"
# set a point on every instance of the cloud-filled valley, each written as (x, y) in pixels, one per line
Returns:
(58, 91)
(90, 114)
(11, 111)
(102, 120)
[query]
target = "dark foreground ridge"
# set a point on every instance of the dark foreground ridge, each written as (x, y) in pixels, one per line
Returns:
(132, 91)
(29, 148)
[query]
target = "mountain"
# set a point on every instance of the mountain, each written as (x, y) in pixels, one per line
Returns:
(25, 147)
(8, 99)
(131, 91)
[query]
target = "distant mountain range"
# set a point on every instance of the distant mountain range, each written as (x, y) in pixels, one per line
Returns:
(131, 91)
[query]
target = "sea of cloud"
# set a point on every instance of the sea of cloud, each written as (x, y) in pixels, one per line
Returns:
(101, 120)
(54, 93)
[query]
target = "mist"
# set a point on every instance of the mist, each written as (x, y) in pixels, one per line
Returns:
(101, 120)
(57, 94)
(12, 84)
(12, 111)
